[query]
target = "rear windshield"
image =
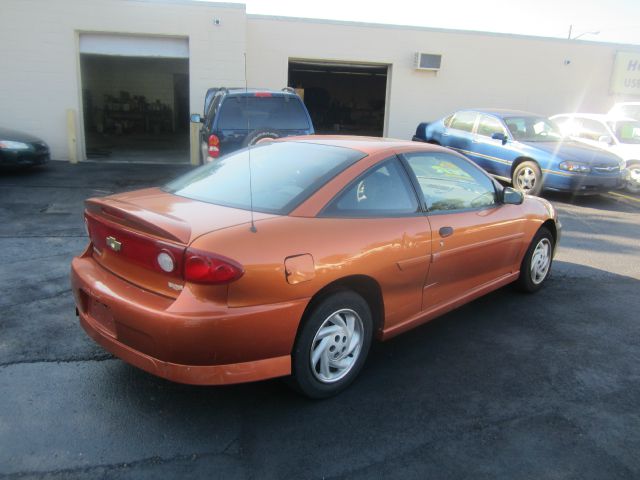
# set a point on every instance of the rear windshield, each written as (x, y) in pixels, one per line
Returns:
(283, 175)
(250, 113)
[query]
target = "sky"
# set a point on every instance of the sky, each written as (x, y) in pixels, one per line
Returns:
(616, 21)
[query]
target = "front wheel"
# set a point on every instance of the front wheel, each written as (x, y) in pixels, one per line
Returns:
(536, 263)
(527, 178)
(332, 345)
(633, 182)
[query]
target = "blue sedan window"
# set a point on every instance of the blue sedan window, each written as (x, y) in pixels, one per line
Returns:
(532, 129)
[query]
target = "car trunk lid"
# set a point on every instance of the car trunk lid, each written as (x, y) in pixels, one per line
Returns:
(129, 231)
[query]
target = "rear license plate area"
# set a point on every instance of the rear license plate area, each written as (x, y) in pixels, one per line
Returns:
(102, 317)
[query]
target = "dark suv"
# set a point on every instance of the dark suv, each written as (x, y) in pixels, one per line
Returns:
(237, 117)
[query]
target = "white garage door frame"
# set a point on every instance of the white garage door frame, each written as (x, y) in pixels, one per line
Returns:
(354, 63)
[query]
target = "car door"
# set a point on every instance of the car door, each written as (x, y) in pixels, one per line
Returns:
(475, 239)
(459, 134)
(492, 154)
(380, 209)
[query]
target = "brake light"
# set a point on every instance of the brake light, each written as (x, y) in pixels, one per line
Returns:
(263, 94)
(214, 147)
(203, 267)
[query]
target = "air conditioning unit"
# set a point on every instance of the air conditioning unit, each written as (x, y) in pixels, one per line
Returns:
(428, 61)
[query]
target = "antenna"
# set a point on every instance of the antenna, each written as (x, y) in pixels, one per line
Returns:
(253, 228)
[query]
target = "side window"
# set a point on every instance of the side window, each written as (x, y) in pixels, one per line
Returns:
(490, 125)
(447, 121)
(213, 108)
(591, 129)
(384, 191)
(464, 121)
(450, 183)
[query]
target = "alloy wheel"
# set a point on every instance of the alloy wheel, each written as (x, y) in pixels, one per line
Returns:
(336, 346)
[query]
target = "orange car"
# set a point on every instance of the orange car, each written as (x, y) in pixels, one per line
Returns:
(288, 258)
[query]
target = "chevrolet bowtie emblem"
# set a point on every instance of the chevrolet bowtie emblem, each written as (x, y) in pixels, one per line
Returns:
(114, 244)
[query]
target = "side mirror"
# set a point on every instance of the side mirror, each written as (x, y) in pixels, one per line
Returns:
(605, 139)
(196, 118)
(511, 196)
(500, 136)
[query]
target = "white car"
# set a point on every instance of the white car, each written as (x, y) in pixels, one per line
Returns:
(618, 135)
(625, 109)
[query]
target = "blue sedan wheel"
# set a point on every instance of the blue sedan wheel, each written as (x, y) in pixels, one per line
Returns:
(527, 178)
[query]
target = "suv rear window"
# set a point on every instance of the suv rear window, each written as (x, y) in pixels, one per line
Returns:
(249, 113)
(283, 175)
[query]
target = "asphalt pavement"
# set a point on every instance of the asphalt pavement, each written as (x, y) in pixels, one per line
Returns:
(511, 386)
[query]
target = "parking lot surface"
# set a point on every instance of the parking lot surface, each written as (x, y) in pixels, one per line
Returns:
(509, 386)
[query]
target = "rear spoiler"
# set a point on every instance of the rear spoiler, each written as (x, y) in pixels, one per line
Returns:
(132, 216)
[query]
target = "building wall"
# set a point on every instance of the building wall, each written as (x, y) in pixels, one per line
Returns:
(542, 75)
(39, 49)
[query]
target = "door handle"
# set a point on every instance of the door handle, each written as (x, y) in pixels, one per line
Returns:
(445, 134)
(446, 231)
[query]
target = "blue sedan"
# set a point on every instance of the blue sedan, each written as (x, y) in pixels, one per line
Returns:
(526, 150)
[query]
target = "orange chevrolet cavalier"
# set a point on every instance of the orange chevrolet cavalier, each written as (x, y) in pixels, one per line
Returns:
(287, 259)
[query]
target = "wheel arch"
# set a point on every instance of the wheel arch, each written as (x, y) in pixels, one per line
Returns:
(367, 287)
(551, 226)
(523, 159)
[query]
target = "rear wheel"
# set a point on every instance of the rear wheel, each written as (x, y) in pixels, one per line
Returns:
(527, 178)
(332, 345)
(536, 264)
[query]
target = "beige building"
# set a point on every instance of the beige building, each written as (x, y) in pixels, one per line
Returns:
(116, 79)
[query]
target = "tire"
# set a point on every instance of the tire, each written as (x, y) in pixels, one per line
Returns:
(314, 373)
(633, 182)
(256, 135)
(536, 263)
(527, 178)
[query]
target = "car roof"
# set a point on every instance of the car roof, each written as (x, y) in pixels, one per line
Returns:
(501, 112)
(368, 145)
(603, 117)
(239, 92)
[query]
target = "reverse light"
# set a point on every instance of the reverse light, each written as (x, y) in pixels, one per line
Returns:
(214, 147)
(166, 262)
(575, 167)
(203, 267)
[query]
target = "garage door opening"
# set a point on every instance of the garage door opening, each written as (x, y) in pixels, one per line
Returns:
(135, 101)
(342, 98)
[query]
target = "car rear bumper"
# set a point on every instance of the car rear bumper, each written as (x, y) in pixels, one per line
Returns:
(184, 339)
(581, 184)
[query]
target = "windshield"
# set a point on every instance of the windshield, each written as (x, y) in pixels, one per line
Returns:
(533, 129)
(632, 111)
(626, 131)
(283, 175)
(249, 113)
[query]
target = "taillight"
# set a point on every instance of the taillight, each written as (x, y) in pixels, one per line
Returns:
(263, 94)
(214, 147)
(203, 267)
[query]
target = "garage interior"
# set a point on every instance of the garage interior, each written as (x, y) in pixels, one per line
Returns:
(135, 108)
(342, 98)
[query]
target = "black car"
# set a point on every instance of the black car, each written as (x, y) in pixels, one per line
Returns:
(237, 117)
(19, 149)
